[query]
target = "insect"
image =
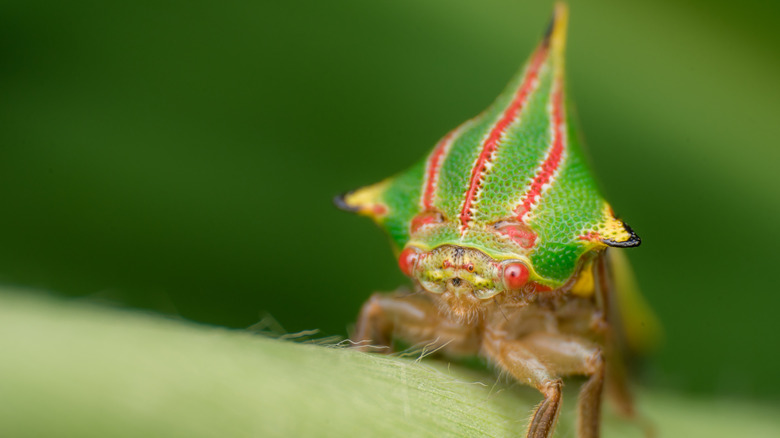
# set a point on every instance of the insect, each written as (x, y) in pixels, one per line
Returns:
(505, 236)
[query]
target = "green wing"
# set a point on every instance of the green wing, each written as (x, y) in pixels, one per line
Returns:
(638, 328)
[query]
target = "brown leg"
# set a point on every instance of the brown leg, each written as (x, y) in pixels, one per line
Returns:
(540, 360)
(415, 319)
(546, 414)
(617, 384)
(589, 403)
(616, 379)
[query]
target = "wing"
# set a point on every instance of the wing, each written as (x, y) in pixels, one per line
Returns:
(635, 330)
(635, 326)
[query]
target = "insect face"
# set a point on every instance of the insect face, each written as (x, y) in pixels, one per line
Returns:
(462, 272)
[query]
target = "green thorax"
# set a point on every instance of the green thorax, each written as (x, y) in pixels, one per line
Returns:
(511, 182)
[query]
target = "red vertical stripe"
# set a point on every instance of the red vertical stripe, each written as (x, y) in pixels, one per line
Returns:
(551, 162)
(492, 142)
(433, 168)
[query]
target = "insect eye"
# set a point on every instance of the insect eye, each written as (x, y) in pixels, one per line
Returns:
(470, 267)
(515, 275)
(408, 260)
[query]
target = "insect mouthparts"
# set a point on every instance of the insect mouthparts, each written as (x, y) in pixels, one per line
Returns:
(456, 281)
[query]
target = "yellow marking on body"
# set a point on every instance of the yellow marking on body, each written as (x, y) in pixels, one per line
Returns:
(367, 200)
(613, 228)
(558, 36)
(584, 285)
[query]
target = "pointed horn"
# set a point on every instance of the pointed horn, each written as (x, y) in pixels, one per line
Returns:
(617, 233)
(612, 232)
(625, 238)
(366, 201)
(555, 36)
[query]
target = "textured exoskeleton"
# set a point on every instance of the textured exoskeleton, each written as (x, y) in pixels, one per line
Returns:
(505, 234)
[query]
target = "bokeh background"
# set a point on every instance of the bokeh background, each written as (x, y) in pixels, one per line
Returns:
(181, 156)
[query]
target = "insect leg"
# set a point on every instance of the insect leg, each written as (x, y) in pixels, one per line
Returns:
(539, 360)
(519, 360)
(568, 355)
(616, 386)
(415, 319)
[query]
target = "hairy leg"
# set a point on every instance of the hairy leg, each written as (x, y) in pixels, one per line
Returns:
(415, 319)
(540, 360)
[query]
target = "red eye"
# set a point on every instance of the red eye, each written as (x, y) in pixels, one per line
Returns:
(515, 275)
(407, 261)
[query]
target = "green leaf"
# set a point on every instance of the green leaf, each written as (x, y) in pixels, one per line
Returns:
(77, 369)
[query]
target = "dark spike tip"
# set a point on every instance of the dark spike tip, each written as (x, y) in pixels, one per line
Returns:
(548, 32)
(631, 242)
(341, 202)
(558, 11)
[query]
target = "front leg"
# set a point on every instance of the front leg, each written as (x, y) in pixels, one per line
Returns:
(415, 319)
(540, 360)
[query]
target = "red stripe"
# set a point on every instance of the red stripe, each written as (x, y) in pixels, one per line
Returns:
(434, 167)
(491, 144)
(551, 162)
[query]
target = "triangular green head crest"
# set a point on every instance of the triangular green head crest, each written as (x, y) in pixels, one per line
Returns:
(511, 182)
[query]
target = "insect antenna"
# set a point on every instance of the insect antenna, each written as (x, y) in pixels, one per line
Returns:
(501, 309)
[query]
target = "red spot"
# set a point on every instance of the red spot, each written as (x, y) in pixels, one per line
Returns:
(520, 211)
(408, 260)
(515, 275)
(379, 210)
(434, 166)
(541, 288)
(521, 234)
(491, 144)
(425, 218)
(446, 264)
(590, 235)
(551, 162)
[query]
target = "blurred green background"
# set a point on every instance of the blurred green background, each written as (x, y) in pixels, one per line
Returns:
(181, 156)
